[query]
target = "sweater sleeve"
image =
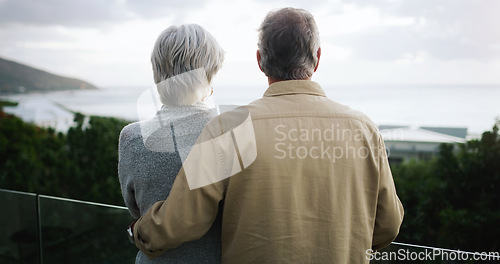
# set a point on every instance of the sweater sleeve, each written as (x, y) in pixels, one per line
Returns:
(125, 172)
(389, 215)
(186, 215)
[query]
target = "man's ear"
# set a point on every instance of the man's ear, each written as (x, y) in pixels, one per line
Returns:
(318, 54)
(258, 60)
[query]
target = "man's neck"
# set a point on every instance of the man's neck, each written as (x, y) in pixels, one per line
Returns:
(271, 80)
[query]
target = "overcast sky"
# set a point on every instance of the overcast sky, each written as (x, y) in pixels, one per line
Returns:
(363, 41)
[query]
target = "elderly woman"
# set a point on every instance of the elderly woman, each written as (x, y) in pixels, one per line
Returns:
(184, 59)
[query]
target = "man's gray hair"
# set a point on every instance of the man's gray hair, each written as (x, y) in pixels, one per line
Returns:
(184, 60)
(288, 44)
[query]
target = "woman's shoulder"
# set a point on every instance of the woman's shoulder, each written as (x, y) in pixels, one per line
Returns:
(130, 129)
(130, 133)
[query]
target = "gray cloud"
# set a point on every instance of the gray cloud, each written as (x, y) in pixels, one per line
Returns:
(454, 29)
(163, 8)
(89, 13)
(57, 12)
(393, 43)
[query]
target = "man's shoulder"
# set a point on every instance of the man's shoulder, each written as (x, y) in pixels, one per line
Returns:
(314, 106)
(229, 119)
(354, 114)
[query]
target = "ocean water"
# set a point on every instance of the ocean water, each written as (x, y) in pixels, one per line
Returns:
(471, 106)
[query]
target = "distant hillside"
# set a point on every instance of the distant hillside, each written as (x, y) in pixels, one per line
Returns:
(19, 78)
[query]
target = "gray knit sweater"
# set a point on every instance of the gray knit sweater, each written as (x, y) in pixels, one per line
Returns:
(150, 156)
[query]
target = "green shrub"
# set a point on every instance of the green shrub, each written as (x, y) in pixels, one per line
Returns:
(453, 200)
(81, 164)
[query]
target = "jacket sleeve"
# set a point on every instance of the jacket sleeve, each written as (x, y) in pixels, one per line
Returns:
(125, 172)
(389, 215)
(186, 215)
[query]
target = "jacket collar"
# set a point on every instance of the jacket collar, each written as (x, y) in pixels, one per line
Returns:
(294, 87)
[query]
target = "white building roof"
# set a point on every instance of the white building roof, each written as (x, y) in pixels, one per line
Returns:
(408, 134)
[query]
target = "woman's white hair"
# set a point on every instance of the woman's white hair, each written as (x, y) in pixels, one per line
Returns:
(288, 44)
(184, 60)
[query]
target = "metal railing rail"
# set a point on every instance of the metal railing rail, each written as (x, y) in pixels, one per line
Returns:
(65, 199)
(82, 202)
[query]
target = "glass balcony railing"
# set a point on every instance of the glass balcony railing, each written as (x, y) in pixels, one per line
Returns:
(45, 229)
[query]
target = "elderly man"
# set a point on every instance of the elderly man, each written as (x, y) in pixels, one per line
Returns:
(319, 188)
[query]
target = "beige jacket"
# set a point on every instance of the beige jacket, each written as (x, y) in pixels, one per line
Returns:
(319, 189)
